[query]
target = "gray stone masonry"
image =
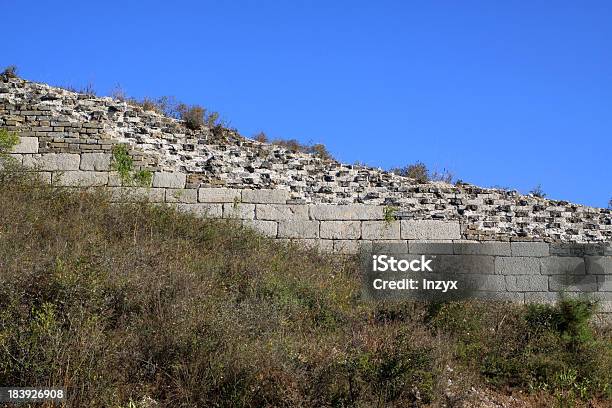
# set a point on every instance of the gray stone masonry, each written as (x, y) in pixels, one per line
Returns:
(519, 247)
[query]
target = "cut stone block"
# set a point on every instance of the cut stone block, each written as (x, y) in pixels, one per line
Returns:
(80, 178)
(517, 266)
(599, 265)
(532, 249)
(482, 248)
(95, 161)
(26, 145)
(239, 211)
(219, 195)
(265, 196)
(53, 161)
(431, 247)
(430, 229)
(169, 180)
(182, 195)
(202, 210)
(298, 229)
(346, 212)
(376, 230)
(527, 283)
(451, 264)
(563, 265)
(280, 212)
(267, 228)
(340, 229)
(573, 283)
(130, 194)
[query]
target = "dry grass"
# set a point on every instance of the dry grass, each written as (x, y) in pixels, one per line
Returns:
(126, 303)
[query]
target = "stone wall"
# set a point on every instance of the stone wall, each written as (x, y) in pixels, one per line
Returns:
(525, 242)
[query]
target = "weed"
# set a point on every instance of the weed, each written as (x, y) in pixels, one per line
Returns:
(538, 192)
(9, 72)
(123, 164)
(389, 213)
(8, 140)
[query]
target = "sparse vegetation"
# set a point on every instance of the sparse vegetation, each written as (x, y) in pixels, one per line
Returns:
(8, 140)
(123, 164)
(9, 72)
(318, 150)
(538, 192)
(124, 303)
(389, 213)
(422, 174)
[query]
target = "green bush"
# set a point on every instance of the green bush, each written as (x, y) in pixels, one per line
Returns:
(9, 72)
(8, 140)
(123, 164)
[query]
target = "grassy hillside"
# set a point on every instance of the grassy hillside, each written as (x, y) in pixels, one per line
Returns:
(138, 305)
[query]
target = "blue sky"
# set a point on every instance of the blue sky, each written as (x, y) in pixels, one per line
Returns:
(512, 93)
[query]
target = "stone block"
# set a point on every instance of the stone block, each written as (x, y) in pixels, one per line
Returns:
(340, 229)
(452, 264)
(219, 195)
(389, 246)
(431, 247)
(169, 180)
(346, 212)
(517, 266)
(347, 246)
(26, 145)
(604, 283)
(598, 265)
(517, 297)
(483, 282)
(95, 161)
(239, 211)
(265, 196)
(80, 178)
(202, 210)
(182, 195)
(131, 194)
(53, 161)
(563, 265)
(482, 248)
(430, 229)
(267, 228)
(541, 297)
(527, 283)
(280, 212)
(573, 283)
(376, 230)
(532, 249)
(298, 229)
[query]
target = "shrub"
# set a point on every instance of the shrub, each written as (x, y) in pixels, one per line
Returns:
(417, 171)
(318, 149)
(9, 72)
(8, 140)
(261, 137)
(537, 191)
(123, 164)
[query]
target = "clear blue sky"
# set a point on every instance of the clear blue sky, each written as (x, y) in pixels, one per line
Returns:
(511, 93)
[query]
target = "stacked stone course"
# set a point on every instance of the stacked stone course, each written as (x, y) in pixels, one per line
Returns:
(523, 241)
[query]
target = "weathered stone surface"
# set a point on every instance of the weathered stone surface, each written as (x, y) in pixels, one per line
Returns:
(573, 283)
(598, 265)
(482, 248)
(604, 283)
(267, 228)
(26, 145)
(347, 246)
(202, 210)
(95, 161)
(430, 229)
(219, 195)
(265, 196)
(451, 264)
(169, 180)
(431, 247)
(129, 194)
(532, 249)
(376, 230)
(53, 161)
(517, 266)
(239, 211)
(340, 229)
(298, 229)
(541, 297)
(482, 282)
(80, 178)
(346, 212)
(280, 212)
(518, 297)
(563, 265)
(527, 283)
(182, 195)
